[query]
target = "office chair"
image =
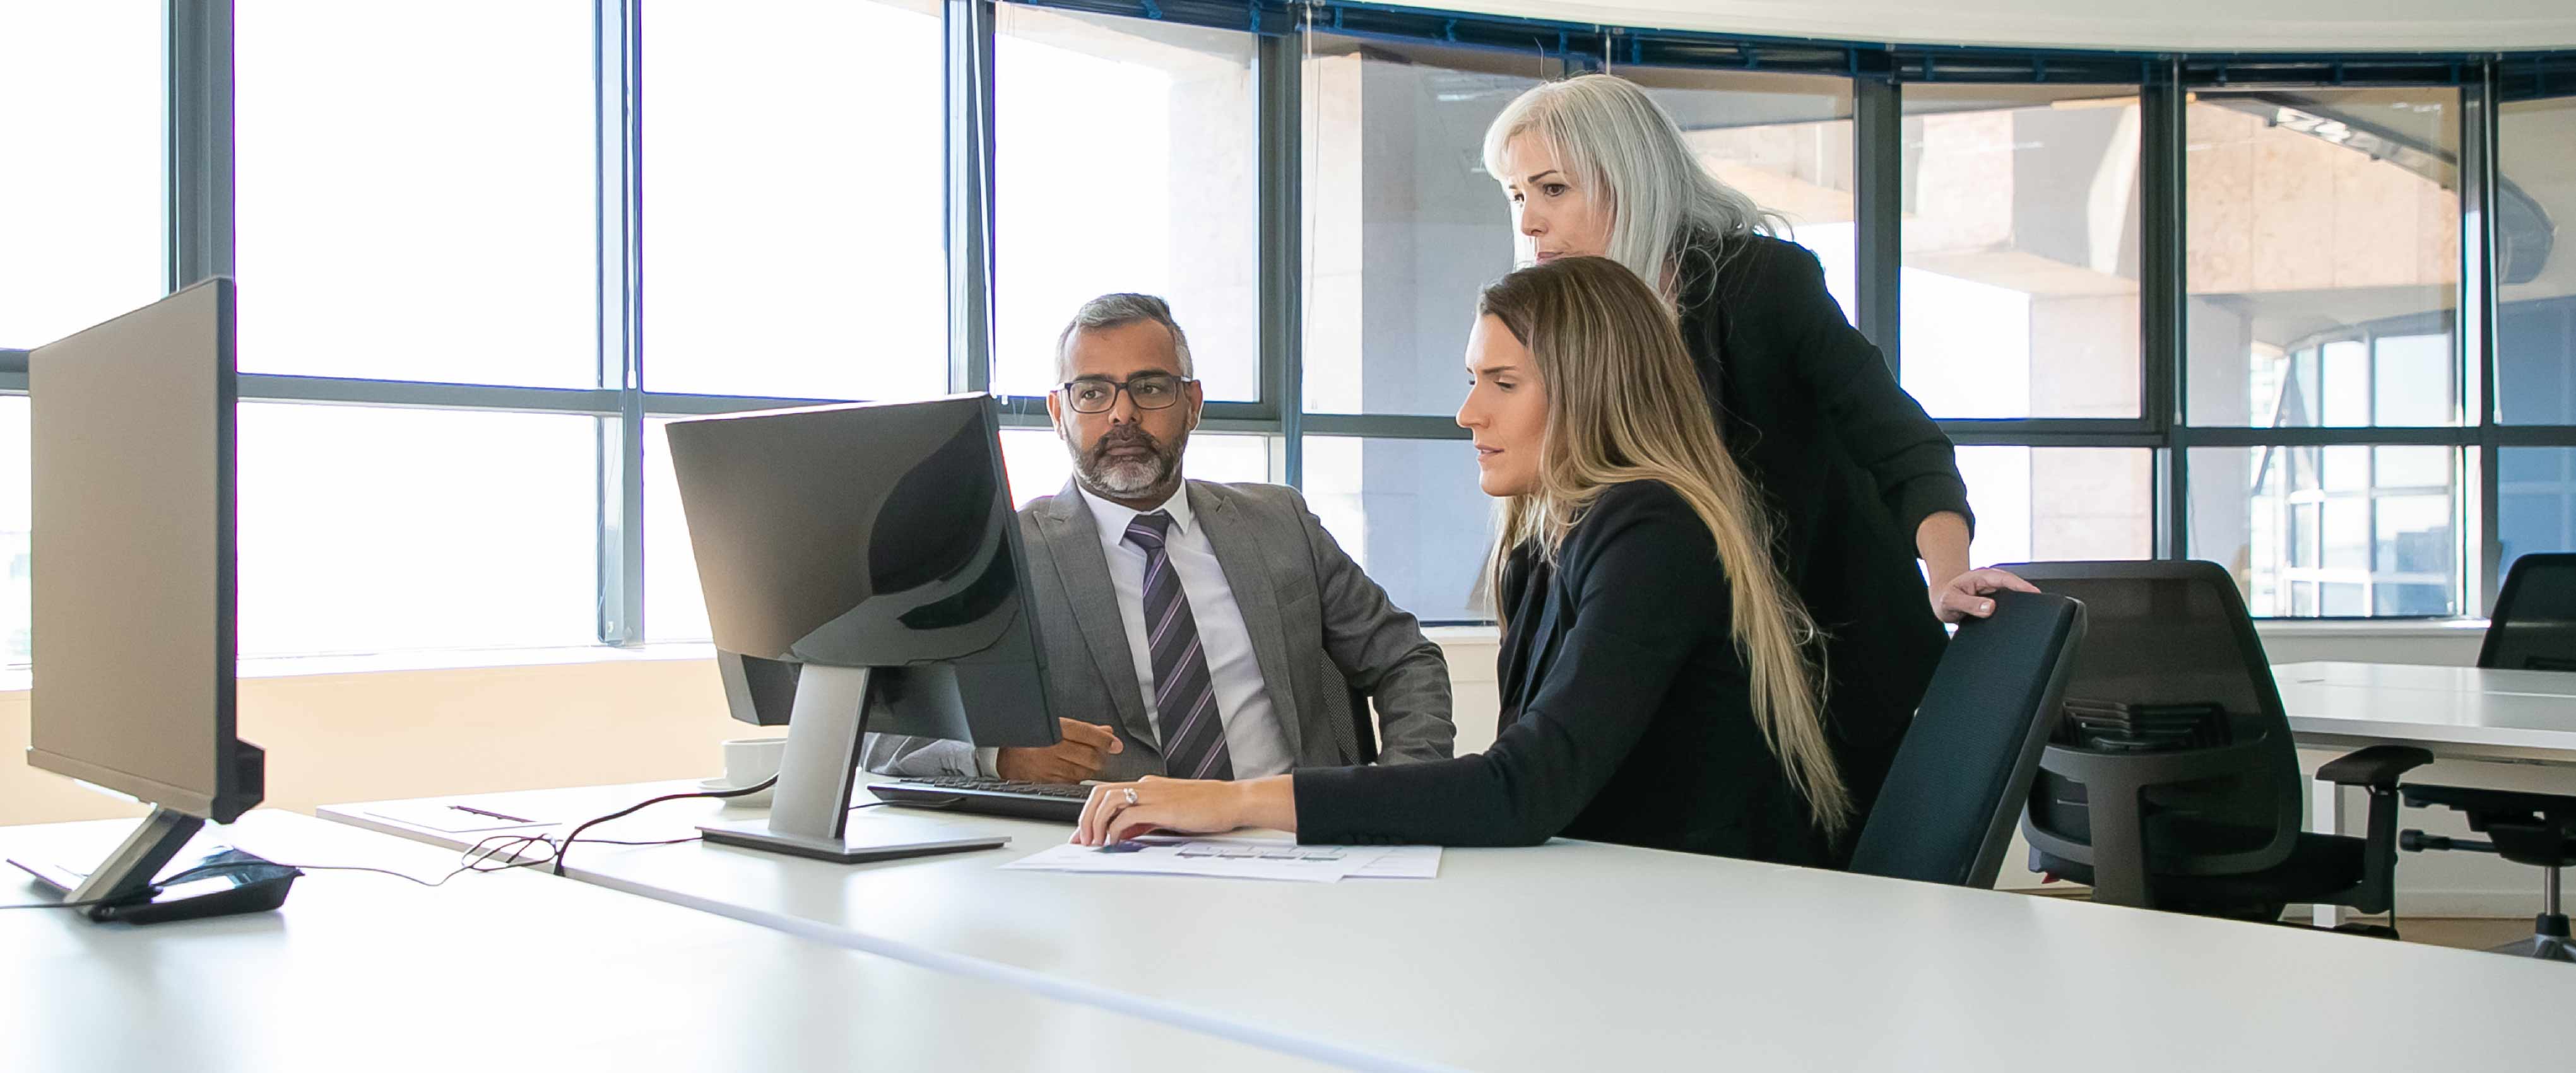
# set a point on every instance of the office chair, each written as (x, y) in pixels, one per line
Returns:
(2533, 627)
(2177, 784)
(2525, 828)
(1945, 813)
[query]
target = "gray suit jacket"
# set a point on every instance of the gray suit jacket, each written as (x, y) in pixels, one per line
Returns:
(1319, 628)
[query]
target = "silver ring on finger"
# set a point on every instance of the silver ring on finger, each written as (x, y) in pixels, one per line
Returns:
(1131, 795)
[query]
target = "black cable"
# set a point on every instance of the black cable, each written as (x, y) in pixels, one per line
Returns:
(630, 810)
(477, 858)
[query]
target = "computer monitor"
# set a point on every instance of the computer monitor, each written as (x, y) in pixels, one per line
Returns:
(873, 547)
(132, 500)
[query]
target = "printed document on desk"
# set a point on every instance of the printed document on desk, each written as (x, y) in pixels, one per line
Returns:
(1240, 858)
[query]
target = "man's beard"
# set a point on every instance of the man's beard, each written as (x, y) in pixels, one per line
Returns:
(1129, 477)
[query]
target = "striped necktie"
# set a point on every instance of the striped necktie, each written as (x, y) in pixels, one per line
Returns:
(1184, 694)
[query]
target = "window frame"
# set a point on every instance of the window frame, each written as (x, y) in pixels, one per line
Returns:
(199, 227)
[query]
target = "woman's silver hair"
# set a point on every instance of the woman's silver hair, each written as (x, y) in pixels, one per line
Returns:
(1114, 310)
(1615, 141)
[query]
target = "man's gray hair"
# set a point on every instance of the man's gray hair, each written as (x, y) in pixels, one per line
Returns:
(1113, 310)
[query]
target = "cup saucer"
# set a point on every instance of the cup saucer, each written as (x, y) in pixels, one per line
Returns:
(719, 785)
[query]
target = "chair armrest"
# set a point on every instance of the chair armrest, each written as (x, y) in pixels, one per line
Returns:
(2376, 767)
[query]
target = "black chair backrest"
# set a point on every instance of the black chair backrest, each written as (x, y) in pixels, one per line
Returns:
(2176, 632)
(1946, 811)
(2534, 624)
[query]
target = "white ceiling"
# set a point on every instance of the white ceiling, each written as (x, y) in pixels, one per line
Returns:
(2157, 25)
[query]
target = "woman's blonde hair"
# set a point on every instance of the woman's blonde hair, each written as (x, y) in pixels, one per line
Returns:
(1624, 405)
(1612, 139)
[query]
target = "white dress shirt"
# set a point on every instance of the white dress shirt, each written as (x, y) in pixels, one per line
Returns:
(1254, 740)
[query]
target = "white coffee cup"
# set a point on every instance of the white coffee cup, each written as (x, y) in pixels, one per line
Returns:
(749, 761)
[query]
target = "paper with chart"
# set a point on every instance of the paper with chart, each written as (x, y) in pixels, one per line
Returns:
(1239, 858)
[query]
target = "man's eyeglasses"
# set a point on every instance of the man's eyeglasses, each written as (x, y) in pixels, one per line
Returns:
(1096, 394)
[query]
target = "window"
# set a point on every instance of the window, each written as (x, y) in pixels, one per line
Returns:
(1124, 161)
(2535, 502)
(433, 243)
(1403, 225)
(2020, 278)
(1784, 140)
(80, 219)
(1410, 513)
(80, 199)
(369, 530)
(2536, 264)
(399, 220)
(2051, 503)
(17, 594)
(2320, 223)
(2343, 530)
(793, 233)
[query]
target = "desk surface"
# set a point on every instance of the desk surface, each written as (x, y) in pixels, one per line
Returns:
(2465, 713)
(511, 971)
(1586, 956)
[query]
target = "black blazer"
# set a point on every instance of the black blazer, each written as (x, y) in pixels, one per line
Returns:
(1626, 713)
(1848, 463)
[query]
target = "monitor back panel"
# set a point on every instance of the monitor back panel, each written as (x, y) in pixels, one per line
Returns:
(132, 506)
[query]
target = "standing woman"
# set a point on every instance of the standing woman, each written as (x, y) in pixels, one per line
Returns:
(1656, 689)
(1862, 483)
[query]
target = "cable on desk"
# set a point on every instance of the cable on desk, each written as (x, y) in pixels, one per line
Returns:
(478, 858)
(630, 810)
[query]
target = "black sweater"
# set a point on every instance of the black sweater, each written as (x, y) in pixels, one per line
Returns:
(1849, 465)
(1626, 713)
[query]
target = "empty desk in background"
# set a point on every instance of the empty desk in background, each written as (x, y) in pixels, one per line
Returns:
(1580, 955)
(510, 971)
(2456, 713)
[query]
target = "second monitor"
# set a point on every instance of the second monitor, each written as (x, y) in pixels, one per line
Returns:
(873, 546)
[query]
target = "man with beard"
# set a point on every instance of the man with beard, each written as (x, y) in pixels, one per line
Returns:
(1192, 629)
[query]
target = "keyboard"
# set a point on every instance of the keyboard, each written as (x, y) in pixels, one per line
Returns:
(1058, 802)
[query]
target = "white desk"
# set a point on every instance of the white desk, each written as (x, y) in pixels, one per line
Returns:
(2458, 713)
(513, 971)
(2455, 713)
(1585, 956)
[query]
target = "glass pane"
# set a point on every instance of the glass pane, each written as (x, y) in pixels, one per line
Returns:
(2326, 222)
(794, 233)
(2536, 292)
(80, 196)
(2020, 277)
(415, 190)
(1125, 161)
(674, 608)
(1785, 140)
(2332, 530)
(1410, 514)
(16, 590)
(2053, 503)
(1403, 226)
(370, 530)
(2535, 501)
(1033, 459)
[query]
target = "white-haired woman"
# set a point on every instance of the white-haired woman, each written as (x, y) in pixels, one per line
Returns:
(1861, 480)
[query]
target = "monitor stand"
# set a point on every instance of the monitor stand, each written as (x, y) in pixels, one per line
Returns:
(809, 814)
(224, 883)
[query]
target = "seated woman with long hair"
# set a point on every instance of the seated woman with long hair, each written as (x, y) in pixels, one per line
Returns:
(1655, 682)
